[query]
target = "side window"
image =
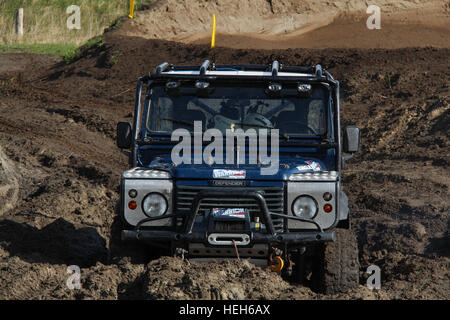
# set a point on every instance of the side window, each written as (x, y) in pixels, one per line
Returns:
(316, 116)
(163, 107)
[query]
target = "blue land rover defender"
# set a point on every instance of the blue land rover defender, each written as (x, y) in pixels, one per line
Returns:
(218, 203)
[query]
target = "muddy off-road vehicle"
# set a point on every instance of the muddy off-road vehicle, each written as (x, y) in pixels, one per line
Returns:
(294, 220)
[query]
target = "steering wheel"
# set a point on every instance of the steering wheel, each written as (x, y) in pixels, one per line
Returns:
(301, 124)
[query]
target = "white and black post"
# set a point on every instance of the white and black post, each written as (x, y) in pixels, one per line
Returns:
(19, 22)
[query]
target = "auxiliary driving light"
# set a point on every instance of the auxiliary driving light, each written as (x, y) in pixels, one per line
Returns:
(202, 85)
(172, 85)
(275, 87)
(305, 90)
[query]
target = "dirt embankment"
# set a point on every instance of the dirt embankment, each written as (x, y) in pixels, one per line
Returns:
(57, 128)
(283, 24)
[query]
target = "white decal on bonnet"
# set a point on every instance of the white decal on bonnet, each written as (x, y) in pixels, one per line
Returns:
(311, 165)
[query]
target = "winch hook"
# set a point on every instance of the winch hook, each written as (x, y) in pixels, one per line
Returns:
(276, 262)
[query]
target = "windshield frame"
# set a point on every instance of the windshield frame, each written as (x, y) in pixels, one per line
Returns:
(328, 134)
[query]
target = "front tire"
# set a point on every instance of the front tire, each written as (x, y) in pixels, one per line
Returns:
(338, 266)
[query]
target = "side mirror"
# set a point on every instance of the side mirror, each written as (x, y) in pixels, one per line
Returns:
(351, 139)
(124, 135)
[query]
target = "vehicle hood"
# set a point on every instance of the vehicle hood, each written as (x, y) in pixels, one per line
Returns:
(287, 165)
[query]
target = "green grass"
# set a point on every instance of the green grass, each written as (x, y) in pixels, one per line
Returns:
(61, 49)
(67, 51)
(70, 54)
(45, 21)
(45, 30)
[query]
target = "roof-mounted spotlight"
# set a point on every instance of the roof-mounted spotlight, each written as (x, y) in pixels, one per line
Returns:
(172, 85)
(173, 88)
(274, 88)
(304, 89)
(202, 85)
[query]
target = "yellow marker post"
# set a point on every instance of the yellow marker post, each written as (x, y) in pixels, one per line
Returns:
(131, 9)
(213, 37)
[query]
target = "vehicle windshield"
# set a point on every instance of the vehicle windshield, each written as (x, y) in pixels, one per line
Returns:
(239, 107)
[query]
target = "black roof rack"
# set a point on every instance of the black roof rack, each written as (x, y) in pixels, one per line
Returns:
(315, 72)
(204, 67)
(318, 71)
(162, 67)
(275, 68)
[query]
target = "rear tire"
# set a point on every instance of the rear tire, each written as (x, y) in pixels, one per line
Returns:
(337, 265)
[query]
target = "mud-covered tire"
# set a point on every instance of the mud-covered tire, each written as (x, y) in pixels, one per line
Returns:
(338, 265)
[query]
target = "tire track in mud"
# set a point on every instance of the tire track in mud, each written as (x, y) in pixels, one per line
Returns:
(9, 184)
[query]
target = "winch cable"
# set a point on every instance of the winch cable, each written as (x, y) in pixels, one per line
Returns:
(236, 250)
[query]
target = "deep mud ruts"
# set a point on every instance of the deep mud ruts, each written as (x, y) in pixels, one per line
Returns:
(57, 127)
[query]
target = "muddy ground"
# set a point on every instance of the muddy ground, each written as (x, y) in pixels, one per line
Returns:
(61, 167)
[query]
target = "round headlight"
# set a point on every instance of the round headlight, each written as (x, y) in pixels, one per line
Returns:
(304, 207)
(154, 205)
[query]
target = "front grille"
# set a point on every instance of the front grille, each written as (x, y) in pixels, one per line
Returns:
(184, 196)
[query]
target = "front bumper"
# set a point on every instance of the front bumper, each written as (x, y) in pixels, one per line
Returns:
(202, 237)
(187, 235)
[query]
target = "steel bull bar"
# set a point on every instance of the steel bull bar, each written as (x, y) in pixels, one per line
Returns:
(188, 235)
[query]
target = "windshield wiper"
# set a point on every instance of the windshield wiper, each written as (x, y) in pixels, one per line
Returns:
(253, 125)
(282, 135)
(289, 137)
(182, 122)
(178, 121)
